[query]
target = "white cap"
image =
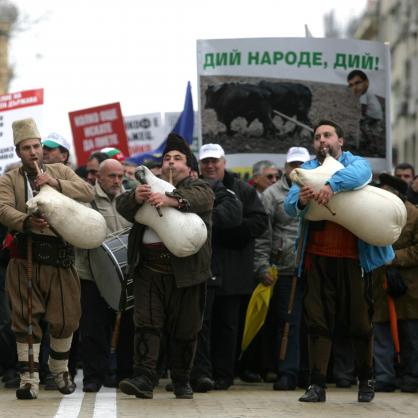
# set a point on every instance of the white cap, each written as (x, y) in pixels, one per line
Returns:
(211, 151)
(297, 154)
(54, 140)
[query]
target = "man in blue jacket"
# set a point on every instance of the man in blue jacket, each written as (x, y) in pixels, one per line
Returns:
(336, 266)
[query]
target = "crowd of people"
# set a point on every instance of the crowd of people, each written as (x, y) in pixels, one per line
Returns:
(329, 317)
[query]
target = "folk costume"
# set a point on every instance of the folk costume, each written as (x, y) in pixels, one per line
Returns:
(55, 283)
(169, 291)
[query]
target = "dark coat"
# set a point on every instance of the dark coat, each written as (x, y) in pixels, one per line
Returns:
(188, 271)
(227, 213)
(406, 260)
(233, 247)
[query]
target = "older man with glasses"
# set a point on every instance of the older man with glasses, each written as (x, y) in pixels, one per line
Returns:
(265, 173)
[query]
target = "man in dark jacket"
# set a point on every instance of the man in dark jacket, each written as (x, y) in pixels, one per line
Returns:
(169, 291)
(232, 264)
(227, 213)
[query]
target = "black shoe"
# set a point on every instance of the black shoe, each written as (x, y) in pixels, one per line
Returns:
(222, 384)
(140, 386)
(169, 387)
(284, 383)
(203, 384)
(343, 383)
(365, 391)
(384, 387)
(183, 390)
(314, 393)
(91, 387)
(250, 377)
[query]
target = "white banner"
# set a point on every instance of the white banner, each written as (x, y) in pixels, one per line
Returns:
(145, 132)
(259, 97)
(15, 106)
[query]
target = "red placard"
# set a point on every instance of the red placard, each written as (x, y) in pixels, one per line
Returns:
(96, 128)
(26, 98)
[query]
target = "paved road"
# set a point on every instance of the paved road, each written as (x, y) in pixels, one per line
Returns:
(241, 401)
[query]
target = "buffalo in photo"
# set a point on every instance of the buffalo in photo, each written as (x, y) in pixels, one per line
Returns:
(291, 99)
(233, 100)
(259, 101)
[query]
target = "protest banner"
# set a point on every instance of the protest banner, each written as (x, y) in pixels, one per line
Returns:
(14, 106)
(259, 97)
(145, 132)
(96, 128)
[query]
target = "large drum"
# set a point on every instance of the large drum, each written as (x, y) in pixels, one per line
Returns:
(109, 264)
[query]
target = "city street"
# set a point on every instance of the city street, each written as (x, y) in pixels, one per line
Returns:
(242, 400)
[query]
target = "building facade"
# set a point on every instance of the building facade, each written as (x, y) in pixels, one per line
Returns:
(396, 22)
(8, 16)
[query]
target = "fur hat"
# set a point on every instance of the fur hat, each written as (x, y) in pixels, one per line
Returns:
(24, 129)
(394, 182)
(177, 143)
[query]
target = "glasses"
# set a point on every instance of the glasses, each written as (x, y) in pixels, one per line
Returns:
(272, 176)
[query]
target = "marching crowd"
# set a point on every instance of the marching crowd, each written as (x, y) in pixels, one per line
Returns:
(334, 303)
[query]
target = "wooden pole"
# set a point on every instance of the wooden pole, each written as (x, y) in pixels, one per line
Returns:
(292, 296)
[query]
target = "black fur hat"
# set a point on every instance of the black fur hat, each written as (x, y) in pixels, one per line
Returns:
(177, 143)
(394, 182)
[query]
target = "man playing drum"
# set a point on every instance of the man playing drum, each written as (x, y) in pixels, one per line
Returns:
(55, 283)
(97, 318)
(169, 291)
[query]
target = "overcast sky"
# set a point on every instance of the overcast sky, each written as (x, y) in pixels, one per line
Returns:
(86, 53)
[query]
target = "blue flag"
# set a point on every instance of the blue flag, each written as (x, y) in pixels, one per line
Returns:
(183, 127)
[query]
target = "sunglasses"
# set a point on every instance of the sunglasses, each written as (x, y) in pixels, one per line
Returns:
(272, 176)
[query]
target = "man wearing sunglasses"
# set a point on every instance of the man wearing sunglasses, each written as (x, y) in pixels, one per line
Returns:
(265, 173)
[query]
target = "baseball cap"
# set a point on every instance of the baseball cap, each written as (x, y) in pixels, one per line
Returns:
(54, 140)
(114, 153)
(297, 154)
(211, 151)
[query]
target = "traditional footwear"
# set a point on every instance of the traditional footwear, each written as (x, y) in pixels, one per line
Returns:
(65, 383)
(140, 386)
(27, 391)
(314, 393)
(365, 391)
(183, 390)
(29, 386)
(203, 384)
